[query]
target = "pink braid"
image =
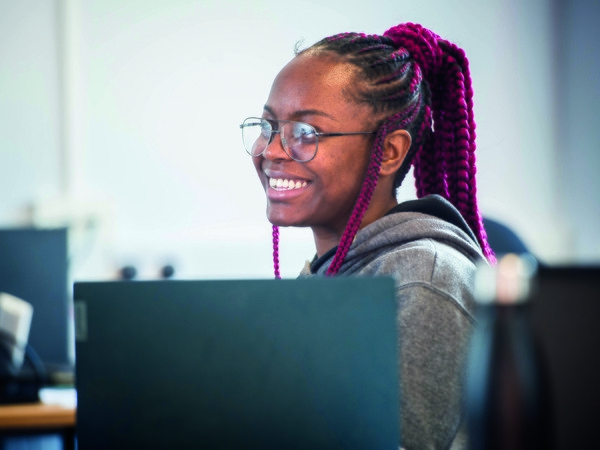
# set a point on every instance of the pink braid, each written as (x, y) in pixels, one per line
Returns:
(276, 251)
(360, 208)
(393, 123)
(446, 166)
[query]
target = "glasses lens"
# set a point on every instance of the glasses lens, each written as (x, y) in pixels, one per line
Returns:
(300, 140)
(255, 135)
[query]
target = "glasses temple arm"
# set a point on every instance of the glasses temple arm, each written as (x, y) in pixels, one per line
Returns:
(345, 134)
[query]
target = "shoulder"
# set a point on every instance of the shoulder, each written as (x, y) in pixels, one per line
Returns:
(435, 320)
(427, 270)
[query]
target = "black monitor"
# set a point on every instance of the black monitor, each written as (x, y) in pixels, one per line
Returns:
(34, 267)
(565, 316)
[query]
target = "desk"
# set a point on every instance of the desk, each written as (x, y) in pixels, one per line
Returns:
(37, 418)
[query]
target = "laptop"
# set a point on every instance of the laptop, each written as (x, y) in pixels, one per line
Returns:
(242, 364)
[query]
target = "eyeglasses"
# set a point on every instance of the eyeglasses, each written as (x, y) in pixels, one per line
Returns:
(300, 140)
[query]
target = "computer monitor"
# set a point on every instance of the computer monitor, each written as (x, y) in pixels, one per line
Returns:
(34, 267)
(565, 311)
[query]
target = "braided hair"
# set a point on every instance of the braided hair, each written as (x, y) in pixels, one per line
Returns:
(421, 83)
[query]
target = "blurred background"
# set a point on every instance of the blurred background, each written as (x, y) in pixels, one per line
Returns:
(119, 120)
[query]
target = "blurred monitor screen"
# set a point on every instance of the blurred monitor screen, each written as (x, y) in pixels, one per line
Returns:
(33, 267)
(565, 315)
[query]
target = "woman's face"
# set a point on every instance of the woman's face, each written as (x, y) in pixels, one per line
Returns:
(312, 89)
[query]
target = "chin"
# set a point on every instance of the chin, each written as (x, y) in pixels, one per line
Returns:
(282, 220)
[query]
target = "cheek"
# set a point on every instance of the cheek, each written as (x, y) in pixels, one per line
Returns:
(345, 174)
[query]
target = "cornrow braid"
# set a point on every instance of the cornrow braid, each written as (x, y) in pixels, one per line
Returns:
(422, 84)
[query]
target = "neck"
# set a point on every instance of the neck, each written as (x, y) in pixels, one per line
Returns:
(325, 240)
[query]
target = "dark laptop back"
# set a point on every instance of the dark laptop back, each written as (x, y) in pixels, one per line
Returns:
(566, 314)
(266, 364)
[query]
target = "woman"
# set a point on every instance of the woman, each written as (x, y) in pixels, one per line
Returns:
(344, 121)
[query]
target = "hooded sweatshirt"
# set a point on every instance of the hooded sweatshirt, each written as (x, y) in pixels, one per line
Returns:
(428, 248)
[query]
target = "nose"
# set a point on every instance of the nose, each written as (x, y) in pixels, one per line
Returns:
(275, 148)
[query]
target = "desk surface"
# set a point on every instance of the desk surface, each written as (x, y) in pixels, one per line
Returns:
(36, 415)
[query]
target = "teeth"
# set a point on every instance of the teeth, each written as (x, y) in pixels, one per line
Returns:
(284, 184)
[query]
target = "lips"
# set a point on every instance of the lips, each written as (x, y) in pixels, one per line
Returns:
(284, 184)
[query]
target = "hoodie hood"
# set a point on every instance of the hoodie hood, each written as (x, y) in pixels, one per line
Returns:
(408, 224)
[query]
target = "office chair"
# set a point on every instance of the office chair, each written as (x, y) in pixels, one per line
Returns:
(502, 239)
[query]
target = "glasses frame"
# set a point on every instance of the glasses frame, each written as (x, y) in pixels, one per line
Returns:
(275, 125)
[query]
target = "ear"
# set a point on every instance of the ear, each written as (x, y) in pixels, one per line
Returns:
(395, 148)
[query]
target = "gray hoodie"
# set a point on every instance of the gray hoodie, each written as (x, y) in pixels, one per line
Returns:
(432, 254)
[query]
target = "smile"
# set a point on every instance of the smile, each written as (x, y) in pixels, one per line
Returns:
(282, 184)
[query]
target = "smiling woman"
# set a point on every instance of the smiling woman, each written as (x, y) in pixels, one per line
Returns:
(343, 123)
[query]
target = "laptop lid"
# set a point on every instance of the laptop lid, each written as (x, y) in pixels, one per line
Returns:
(237, 364)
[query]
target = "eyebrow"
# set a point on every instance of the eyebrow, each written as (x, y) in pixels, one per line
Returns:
(302, 113)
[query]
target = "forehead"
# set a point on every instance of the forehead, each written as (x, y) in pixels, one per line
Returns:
(312, 82)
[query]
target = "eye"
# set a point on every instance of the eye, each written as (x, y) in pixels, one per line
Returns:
(304, 133)
(265, 129)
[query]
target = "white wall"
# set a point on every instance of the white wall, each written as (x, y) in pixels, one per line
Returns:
(143, 139)
(30, 150)
(578, 128)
